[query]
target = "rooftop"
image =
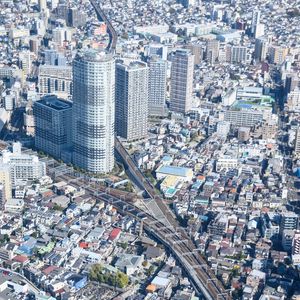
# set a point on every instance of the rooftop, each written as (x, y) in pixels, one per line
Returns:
(55, 103)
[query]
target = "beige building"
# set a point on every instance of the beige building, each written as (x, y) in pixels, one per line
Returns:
(6, 181)
(277, 54)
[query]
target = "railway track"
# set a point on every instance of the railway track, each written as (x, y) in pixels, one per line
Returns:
(174, 238)
(178, 242)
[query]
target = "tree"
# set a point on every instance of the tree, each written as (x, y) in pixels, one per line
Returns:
(57, 207)
(118, 279)
(150, 270)
(122, 280)
(145, 263)
(124, 245)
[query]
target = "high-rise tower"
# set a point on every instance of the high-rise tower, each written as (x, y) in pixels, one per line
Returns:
(131, 99)
(93, 111)
(182, 81)
(157, 86)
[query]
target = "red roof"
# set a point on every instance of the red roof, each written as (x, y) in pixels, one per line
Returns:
(114, 234)
(20, 258)
(83, 245)
(49, 269)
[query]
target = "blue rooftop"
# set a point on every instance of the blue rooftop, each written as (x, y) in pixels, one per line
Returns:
(174, 170)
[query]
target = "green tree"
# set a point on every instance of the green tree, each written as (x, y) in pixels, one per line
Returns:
(150, 270)
(124, 245)
(122, 280)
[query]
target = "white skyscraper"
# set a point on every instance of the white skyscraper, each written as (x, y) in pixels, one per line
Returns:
(255, 20)
(157, 86)
(182, 72)
(93, 111)
(131, 99)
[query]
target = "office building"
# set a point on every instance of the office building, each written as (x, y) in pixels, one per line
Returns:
(261, 49)
(34, 45)
(25, 62)
(289, 221)
(55, 80)
(223, 128)
(50, 56)
(291, 83)
(197, 50)
(93, 116)
(255, 20)
(287, 236)
(132, 99)
(160, 50)
(28, 118)
(59, 36)
(76, 18)
(62, 10)
(23, 168)
(157, 86)
(245, 118)
(238, 54)
(277, 54)
(293, 101)
(296, 248)
(53, 117)
(212, 51)
(259, 30)
(297, 142)
(182, 72)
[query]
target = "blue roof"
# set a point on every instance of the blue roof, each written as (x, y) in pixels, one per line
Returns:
(166, 158)
(173, 170)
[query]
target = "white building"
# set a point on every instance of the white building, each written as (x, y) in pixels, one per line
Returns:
(238, 54)
(132, 99)
(223, 128)
(93, 111)
(226, 162)
(255, 20)
(23, 167)
(157, 86)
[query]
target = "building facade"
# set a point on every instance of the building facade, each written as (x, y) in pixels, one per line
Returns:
(23, 167)
(132, 99)
(52, 125)
(182, 72)
(93, 116)
(55, 80)
(157, 86)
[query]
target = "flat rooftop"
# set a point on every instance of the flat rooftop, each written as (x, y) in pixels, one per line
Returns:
(55, 103)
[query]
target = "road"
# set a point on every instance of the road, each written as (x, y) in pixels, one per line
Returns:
(16, 276)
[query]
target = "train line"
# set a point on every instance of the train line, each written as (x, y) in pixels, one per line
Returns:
(174, 238)
(110, 29)
(179, 243)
